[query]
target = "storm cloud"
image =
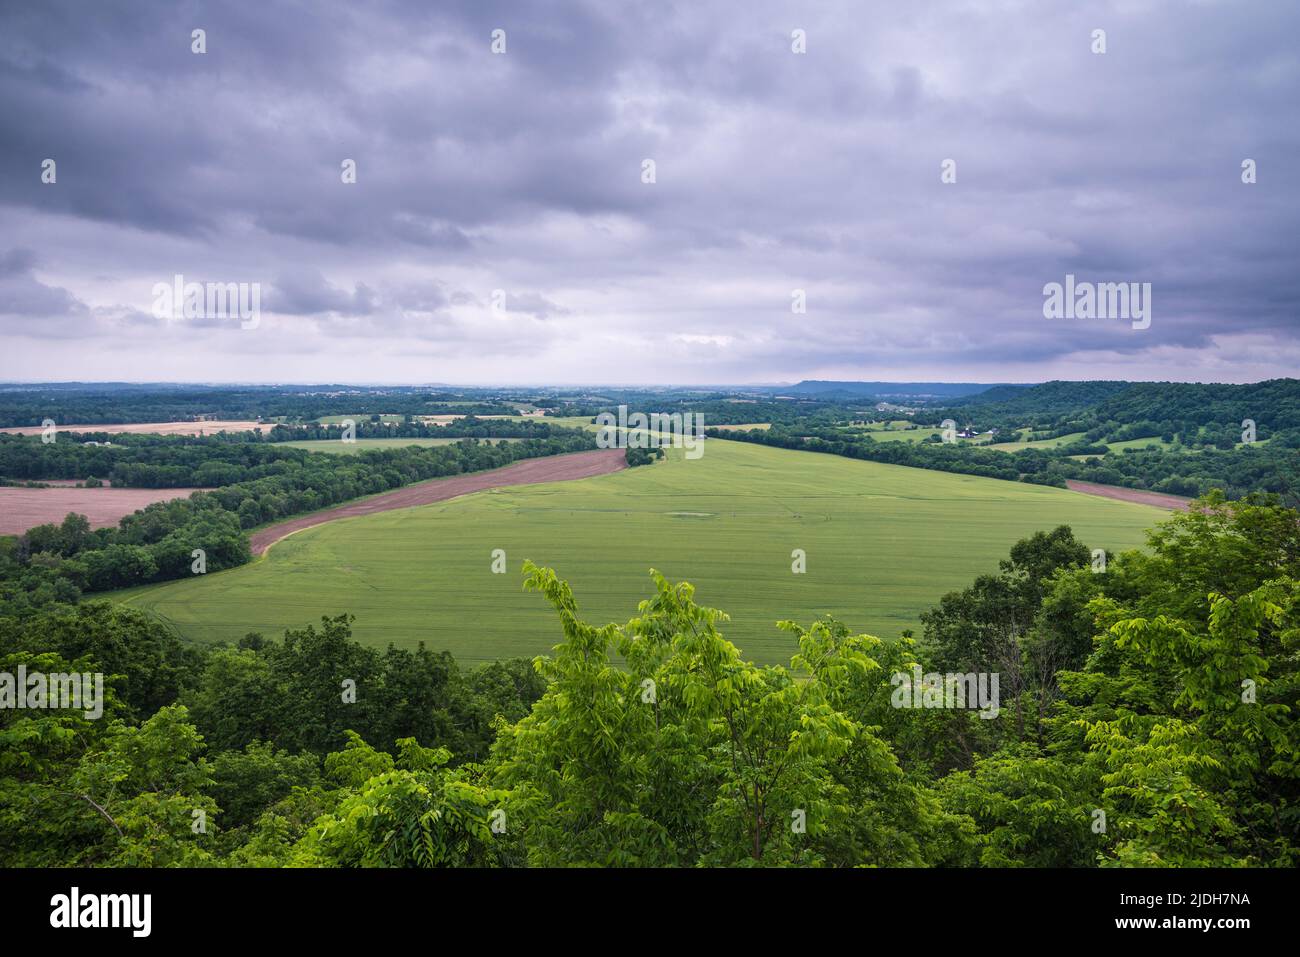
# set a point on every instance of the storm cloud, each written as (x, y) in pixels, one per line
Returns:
(500, 228)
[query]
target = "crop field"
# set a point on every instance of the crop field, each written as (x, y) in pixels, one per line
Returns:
(359, 418)
(565, 421)
(205, 427)
(337, 447)
(24, 508)
(882, 542)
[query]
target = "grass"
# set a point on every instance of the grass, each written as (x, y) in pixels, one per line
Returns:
(567, 421)
(883, 543)
(359, 418)
(1041, 444)
(1139, 444)
(901, 435)
(917, 435)
(338, 447)
(890, 426)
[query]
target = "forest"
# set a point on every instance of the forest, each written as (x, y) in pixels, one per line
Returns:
(1102, 408)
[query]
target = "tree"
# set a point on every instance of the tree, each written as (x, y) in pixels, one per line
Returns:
(408, 812)
(144, 792)
(690, 754)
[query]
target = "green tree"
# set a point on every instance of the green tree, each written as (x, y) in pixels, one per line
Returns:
(408, 812)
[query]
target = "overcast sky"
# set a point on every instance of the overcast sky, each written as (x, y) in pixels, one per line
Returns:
(522, 171)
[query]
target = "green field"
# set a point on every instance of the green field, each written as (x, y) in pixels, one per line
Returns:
(893, 425)
(899, 432)
(1041, 444)
(883, 543)
(902, 435)
(360, 418)
(339, 447)
(1139, 444)
(565, 421)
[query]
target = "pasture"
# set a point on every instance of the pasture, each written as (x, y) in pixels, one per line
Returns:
(1040, 444)
(901, 435)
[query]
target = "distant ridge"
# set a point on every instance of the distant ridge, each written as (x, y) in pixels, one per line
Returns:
(891, 390)
(1055, 395)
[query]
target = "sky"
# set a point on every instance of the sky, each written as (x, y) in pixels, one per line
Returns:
(913, 178)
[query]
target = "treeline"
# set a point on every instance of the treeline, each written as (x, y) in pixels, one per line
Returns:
(58, 563)
(91, 404)
(182, 461)
(1041, 403)
(721, 409)
(1143, 715)
(468, 427)
(144, 461)
(1272, 468)
(1274, 403)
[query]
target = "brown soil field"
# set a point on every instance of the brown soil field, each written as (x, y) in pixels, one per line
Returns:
(554, 468)
(24, 508)
(153, 428)
(1158, 499)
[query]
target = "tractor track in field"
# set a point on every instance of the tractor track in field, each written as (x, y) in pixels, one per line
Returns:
(551, 468)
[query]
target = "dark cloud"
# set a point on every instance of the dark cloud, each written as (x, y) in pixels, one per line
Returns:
(774, 172)
(306, 292)
(29, 306)
(533, 304)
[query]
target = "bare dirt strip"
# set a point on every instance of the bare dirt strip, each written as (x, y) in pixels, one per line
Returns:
(553, 468)
(24, 508)
(1158, 499)
(210, 427)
